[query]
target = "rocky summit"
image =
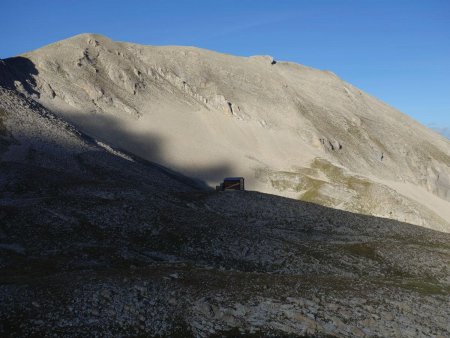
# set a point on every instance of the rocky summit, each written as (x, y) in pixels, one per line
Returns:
(109, 225)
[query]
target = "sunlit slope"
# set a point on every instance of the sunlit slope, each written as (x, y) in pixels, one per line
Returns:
(211, 115)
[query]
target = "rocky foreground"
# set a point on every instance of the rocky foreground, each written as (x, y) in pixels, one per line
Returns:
(97, 242)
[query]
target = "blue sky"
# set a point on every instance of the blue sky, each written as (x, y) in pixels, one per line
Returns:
(397, 50)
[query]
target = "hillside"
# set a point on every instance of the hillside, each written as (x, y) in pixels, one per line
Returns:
(97, 242)
(290, 130)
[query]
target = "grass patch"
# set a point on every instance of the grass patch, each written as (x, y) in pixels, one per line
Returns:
(421, 242)
(261, 333)
(331, 171)
(307, 182)
(424, 287)
(5, 137)
(362, 250)
(337, 175)
(358, 184)
(313, 191)
(3, 131)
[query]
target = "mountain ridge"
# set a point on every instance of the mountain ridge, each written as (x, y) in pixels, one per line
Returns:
(248, 116)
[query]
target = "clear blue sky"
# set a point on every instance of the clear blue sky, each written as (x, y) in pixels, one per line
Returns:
(397, 50)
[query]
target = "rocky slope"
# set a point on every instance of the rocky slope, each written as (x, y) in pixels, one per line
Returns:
(97, 242)
(289, 129)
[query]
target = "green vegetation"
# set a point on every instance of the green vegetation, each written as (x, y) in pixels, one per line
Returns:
(425, 287)
(5, 138)
(312, 193)
(336, 178)
(337, 175)
(361, 249)
(3, 131)
(422, 242)
(324, 166)
(271, 333)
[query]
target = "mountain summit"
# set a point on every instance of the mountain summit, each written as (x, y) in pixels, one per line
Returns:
(291, 130)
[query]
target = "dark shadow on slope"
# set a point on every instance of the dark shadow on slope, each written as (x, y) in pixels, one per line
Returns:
(145, 148)
(17, 70)
(102, 161)
(152, 146)
(142, 147)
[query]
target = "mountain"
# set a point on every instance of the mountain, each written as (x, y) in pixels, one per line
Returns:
(288, 129)
(95, 241)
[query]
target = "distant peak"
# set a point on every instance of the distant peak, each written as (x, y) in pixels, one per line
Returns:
(90, 38)
(91, 35)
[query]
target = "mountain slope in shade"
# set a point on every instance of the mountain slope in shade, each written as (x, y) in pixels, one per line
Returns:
(289, 129)
(97, 242)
